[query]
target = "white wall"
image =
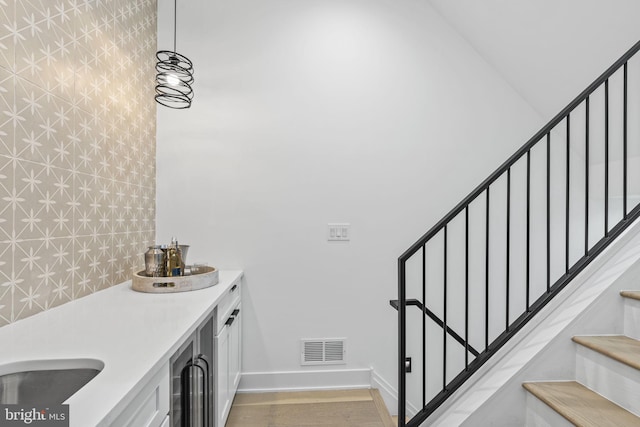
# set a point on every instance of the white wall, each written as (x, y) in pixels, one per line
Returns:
(548, 50)
(372, 112)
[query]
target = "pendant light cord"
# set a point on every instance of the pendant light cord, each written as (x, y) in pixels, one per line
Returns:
(175, 23)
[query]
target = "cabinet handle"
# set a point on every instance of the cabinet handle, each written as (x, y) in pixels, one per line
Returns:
(235, 312)
(233, 288)
(185, 395)
(229, 321)
(205, 393)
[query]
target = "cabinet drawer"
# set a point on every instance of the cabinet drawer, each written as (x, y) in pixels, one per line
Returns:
(227, 304)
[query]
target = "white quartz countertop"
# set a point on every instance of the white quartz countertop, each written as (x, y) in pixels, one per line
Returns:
(134, 334)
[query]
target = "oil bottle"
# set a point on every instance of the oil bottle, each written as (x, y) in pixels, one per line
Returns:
(174, 259)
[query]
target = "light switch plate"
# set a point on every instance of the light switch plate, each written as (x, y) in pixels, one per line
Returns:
(340, 232)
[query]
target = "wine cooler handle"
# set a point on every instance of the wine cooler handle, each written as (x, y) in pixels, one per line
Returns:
(205, 394)
(185, 395)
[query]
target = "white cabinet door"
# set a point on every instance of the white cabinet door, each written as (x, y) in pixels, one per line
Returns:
(149, 408)
(223, 401)
(228, 353)
(235, 352)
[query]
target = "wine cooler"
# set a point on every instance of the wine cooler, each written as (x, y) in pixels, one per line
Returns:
(192, 379)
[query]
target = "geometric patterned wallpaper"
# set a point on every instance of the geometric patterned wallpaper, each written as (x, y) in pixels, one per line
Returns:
(77, 148)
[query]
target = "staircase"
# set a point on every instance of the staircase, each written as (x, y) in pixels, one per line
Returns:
(606, 391)
(499, 258)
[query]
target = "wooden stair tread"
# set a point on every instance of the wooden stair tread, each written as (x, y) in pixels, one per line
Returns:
(618, 347)
(580, 405)
(631, 294)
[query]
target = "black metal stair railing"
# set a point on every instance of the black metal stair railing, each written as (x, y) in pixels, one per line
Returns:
(491, 264)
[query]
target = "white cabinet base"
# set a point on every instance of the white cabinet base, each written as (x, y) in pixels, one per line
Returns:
(151, 406)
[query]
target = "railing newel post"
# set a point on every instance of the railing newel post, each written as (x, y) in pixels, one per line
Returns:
(402, 343)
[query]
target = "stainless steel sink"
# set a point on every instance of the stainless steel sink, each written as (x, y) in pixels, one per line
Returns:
(50, 382)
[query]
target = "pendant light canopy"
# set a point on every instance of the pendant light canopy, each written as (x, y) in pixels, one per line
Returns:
(175, 75)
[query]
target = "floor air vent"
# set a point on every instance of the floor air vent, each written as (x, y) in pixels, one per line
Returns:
(323, 351)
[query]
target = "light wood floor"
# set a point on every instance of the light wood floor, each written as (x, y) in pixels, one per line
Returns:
(336, 408)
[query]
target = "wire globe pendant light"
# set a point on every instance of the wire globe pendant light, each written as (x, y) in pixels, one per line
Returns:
(175, 75)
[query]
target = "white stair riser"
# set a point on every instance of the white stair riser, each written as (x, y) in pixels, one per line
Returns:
(539, 414)
(632, 318)
(614, 380)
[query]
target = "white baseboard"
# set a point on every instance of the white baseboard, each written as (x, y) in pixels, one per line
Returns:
(340, 379)
(258, 382)
(387, 391)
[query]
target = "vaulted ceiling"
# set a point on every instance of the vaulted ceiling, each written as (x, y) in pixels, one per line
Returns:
(548, 50)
